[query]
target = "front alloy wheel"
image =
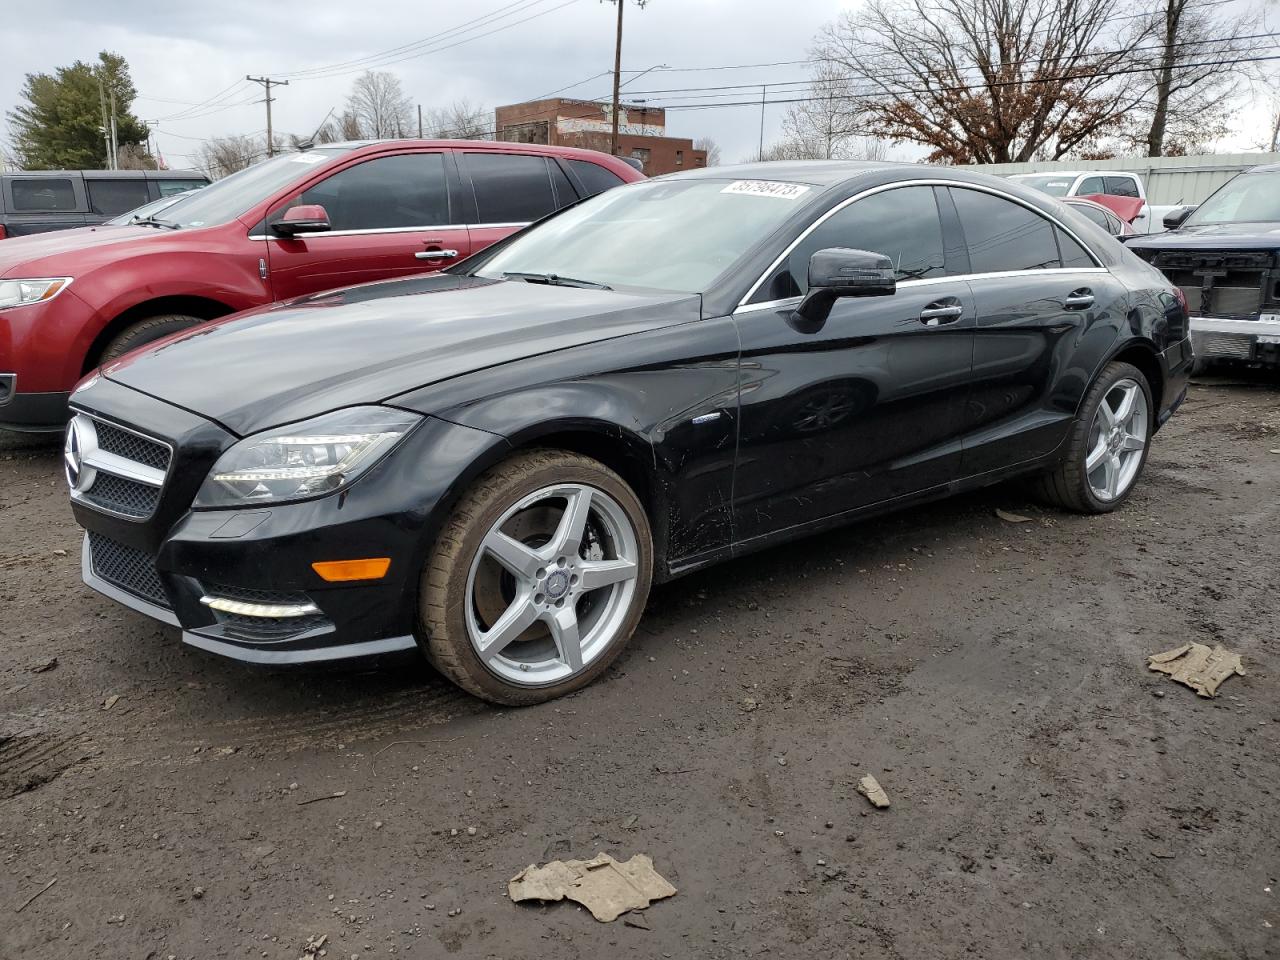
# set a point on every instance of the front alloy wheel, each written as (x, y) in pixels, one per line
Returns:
(538, 580)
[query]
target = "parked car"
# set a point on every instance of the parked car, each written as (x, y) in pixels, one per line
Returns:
(289, 226)
(1100, 183)
(1092, 209)
(38, 201)
(1225, 257)
(493, 463)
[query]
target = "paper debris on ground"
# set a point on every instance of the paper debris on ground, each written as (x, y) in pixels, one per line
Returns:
(1199, 667)
(870, 788)
(1012, 517)
(603, 885)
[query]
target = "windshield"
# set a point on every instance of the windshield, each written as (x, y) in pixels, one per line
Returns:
(1249, 198)
(664, 234)
(1055, 185)
(231, 196)
(149, 209)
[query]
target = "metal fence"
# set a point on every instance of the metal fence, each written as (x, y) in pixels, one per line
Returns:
(1168, 179)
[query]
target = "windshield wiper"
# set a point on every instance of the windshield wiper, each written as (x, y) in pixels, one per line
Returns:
(554, 280)
(154, 222)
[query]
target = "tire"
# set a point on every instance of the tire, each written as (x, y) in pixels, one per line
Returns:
(1072, 485)
(467, 593)
(145, 331)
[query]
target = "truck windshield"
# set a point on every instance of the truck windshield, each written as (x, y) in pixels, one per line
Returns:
(664, 234)
(1249, 198)
(1055, 185)
(231, 196)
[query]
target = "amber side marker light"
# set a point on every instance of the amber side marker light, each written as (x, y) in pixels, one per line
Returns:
(340, 571)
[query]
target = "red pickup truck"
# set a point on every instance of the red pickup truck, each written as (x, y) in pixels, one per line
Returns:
(296, 224)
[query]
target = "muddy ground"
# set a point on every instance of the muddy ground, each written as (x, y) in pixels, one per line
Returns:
(1051, 797)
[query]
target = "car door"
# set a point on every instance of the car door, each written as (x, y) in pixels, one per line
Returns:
(867, 406)
(41, 204)
(1039, 293)
(389, 216)
(508, 191)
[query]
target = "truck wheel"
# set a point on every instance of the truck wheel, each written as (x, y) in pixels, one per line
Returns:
(537, 580)
(145, 331)
(1107, 446)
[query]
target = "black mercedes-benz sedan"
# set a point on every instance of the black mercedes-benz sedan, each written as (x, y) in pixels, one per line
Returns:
(494, 463)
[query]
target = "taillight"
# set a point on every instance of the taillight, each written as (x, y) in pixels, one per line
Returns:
(3, 234)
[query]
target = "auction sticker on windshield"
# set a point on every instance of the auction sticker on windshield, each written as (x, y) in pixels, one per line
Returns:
(767, 188)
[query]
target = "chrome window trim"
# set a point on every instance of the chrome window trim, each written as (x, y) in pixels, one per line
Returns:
(931, 281)
(377, 230)
(982, 188)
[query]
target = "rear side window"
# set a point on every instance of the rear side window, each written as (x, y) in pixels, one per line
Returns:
(1004, 236)
(1073, 255)
(108, 198)
(1096, 215)
(169, 187)
(1121, 187)
(903, 224)
(510, 188)
(386, 193)
(46, 194)
(595, 178)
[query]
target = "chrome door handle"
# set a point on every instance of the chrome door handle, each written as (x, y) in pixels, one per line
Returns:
(936, 316)
(436, 254)
(1078, 300)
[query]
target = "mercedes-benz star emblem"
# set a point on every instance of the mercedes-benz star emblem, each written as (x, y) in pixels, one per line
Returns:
(81, 439)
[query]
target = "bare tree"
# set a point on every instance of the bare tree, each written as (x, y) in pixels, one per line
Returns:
(791, 148)
(460, 120)
(711, 147)
(1195, 73)
(223, 156)
(378, 105)
(829, 117)
(134, 156)
(984, 81)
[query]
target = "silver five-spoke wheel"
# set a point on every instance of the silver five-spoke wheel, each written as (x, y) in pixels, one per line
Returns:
(1117, 439)
(552, 584)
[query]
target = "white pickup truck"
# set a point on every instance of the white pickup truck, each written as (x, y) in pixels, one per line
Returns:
(1108, 183)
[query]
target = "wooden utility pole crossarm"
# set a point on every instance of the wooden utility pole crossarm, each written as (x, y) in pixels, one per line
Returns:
(267, 84)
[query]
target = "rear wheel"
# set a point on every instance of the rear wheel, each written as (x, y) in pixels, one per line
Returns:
(1108, 444)
(145, 331)
(538, 579)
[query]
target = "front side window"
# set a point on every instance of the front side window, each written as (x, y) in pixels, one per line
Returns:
(902, 224)
(109, 198)
(1097, 216)
(1121, 187)
(510, 188)
(1003, 235)
(675, 235)
(43, 195)
(386, 193)
(1090, 185)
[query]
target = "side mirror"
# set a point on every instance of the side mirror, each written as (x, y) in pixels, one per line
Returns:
(307, 218)
(1176, 218)
(841, 272)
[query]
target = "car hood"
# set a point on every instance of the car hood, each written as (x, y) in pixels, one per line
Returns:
(67, 253)
(369, 343)
(1219, 236)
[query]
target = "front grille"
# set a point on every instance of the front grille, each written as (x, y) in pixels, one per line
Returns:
(1225, 345)
(127, 568)
(118, 495)
(131, 446)
(1228, 283)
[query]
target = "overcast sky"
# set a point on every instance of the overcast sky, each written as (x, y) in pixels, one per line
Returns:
(184, 53)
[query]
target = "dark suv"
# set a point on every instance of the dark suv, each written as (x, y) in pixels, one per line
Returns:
(38, 201)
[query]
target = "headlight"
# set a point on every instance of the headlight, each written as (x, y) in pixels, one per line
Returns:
(18, 293)
(308, 459)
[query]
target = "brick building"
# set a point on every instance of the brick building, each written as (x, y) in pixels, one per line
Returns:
(642, 131)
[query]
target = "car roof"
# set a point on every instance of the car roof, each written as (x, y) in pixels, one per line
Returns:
(1073, 173)
(1264, 168)
(507, 146)
(815, 172)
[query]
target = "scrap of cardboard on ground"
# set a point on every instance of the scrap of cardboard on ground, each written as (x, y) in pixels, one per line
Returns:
(870, 788)
(1199, 667)
(603, 885)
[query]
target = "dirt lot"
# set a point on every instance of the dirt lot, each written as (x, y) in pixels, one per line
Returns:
(1051, 797)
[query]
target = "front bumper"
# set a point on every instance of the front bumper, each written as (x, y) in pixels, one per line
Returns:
(163, 559)
(1257, 341)
(30, 412)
